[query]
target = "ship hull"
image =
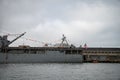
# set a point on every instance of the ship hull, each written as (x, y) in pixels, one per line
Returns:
(42, 57)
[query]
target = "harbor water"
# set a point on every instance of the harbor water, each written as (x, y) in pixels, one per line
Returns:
(60, 71)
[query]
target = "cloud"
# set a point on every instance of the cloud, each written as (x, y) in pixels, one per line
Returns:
(93, 22)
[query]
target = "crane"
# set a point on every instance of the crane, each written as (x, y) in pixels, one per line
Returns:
(4, 42)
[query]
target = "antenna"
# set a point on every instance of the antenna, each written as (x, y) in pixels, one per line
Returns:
(64, 41)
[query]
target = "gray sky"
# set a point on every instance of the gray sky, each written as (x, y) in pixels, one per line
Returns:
(95, 22)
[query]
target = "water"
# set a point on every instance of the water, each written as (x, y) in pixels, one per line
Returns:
(60, 71)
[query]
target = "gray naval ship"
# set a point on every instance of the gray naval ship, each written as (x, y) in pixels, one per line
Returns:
(62, 52)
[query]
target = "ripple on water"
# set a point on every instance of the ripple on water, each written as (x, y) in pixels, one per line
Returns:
(56, 71)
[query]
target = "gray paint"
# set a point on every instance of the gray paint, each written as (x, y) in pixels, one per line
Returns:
(48, 56)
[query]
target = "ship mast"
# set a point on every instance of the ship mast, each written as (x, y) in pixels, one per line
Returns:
(64, 41)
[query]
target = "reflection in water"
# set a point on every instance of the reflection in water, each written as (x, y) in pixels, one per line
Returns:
(60, 71)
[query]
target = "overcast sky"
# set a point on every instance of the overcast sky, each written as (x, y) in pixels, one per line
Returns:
(95, 22)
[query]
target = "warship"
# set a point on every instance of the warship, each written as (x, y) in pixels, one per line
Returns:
(23, 53)
(60, 53)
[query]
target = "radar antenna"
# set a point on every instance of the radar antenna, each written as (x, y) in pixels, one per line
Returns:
(64, 41)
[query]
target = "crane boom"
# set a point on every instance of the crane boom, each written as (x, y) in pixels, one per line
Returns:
(16, 38)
